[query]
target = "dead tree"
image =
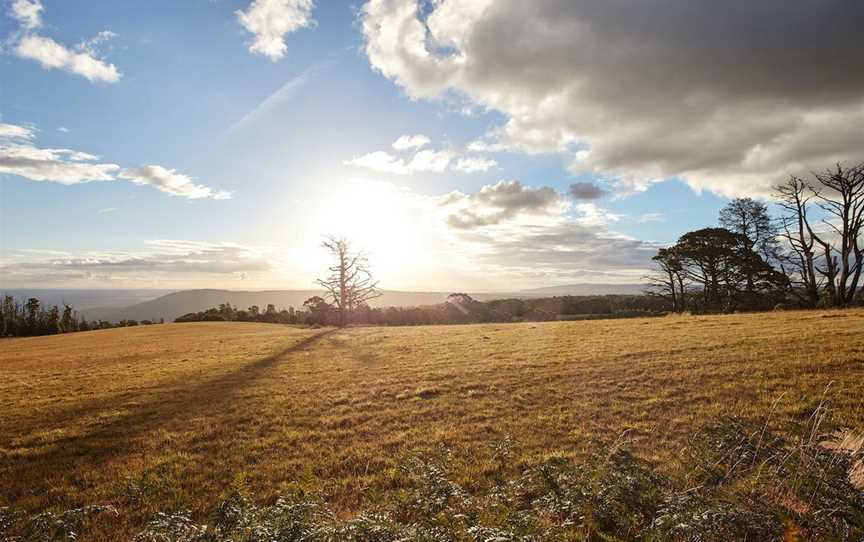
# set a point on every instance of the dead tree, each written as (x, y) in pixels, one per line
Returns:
(839, 194)
(799, 261)
(350, 283)
(841, 197)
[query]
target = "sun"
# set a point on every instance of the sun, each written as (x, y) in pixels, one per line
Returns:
(401, 232)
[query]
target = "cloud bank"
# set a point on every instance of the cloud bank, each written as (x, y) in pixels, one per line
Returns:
(159, 261)
(730, 96)
(536, 235)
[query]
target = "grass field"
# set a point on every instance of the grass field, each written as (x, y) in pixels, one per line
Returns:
(166, 417)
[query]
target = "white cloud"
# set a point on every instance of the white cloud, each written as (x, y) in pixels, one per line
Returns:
(380, 161)
(51, 54)
(56, 165)
(590, 214)
(422, 160)
(84, 60)
(625, 91)
(63, 129)
(407, 142)
(28, 13)
(92, 45)
(270, 20)
(20, 156)
(473, 164)
(429, 161)
(171, 182)
(12, 131)
(425, 161)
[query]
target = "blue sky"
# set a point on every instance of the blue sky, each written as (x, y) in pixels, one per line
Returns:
(280, 150)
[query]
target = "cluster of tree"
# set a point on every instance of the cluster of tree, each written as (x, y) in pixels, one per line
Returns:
(810, 254)
(226, 312)
(459, 308)
(30, 318)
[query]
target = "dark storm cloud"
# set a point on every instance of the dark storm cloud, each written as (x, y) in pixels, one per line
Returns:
(731, 95)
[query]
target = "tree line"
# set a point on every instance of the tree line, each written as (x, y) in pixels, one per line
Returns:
(458, 308)
(809, 254)
(31, 317)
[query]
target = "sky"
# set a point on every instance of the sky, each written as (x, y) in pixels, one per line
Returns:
(463, 144)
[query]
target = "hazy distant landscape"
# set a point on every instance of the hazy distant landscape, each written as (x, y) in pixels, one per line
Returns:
(85, 300)
(116, 305)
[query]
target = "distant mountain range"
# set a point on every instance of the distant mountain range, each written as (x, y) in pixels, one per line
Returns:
(83, 299)
(115, 305)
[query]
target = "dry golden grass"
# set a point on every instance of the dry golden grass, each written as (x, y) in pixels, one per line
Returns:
(167, 416)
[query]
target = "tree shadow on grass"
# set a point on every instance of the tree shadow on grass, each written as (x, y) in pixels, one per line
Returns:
(115, 438)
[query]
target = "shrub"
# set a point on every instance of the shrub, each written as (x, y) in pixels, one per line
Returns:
(740, 481)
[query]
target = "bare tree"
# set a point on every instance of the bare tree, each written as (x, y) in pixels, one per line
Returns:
(839, 193)
(799, 262)
(841, 196)
(350, 283)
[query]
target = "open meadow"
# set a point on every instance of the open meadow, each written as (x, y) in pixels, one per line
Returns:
(169, 417)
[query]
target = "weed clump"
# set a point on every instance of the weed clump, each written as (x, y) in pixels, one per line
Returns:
(50, 526)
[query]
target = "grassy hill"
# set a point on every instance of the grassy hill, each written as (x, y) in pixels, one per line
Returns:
(168, 417)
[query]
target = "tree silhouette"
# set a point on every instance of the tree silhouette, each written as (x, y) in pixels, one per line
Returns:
(839, 194)
(350, 283)
(670, 282)
(799, 259)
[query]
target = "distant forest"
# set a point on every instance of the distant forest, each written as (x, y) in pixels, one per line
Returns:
(31, 318)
